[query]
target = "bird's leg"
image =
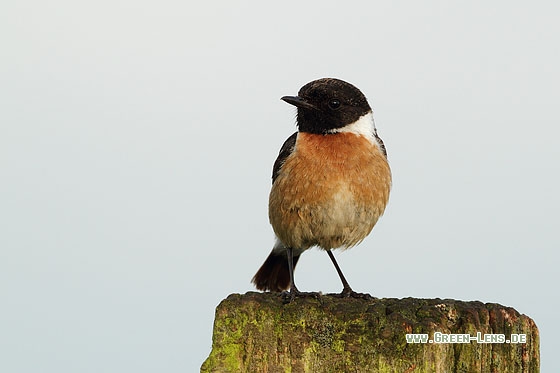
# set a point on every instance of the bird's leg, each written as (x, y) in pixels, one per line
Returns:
(347, 290)
(294, 292)
(293, 289)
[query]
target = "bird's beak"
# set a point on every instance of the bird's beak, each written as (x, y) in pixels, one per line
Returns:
(299, 102)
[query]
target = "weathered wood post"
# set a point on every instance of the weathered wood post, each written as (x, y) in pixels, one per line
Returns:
(257, 332)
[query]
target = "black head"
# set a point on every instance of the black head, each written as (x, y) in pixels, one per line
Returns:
(326, 104)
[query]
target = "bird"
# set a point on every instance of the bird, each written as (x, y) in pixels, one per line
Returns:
(330, 182)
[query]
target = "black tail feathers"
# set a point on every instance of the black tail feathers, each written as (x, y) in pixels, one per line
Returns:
(274, 274)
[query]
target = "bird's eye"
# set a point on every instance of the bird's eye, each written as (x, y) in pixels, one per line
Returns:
(334, 104)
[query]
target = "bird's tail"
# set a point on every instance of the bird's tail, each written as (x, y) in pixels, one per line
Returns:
(274, 274)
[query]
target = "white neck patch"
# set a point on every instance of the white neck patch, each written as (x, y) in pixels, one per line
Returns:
(364, 126)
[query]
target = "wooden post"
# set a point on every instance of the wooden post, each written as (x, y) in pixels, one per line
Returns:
(257, 332)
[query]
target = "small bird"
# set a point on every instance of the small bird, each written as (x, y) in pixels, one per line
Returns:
(330, 182)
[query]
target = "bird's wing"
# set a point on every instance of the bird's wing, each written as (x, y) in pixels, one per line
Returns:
(285, 151)
(380, 142)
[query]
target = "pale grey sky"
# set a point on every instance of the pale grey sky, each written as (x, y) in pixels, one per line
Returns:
(137, 140)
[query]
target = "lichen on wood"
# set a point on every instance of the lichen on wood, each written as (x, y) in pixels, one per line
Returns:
(258, 332)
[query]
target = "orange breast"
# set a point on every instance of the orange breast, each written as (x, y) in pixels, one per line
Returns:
(330, 191)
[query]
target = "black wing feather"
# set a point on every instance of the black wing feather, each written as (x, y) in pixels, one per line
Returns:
(380, 142)
(285, 151)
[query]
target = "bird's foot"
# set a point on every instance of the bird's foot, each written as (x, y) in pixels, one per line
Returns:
(347, 292)
(289, 296)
